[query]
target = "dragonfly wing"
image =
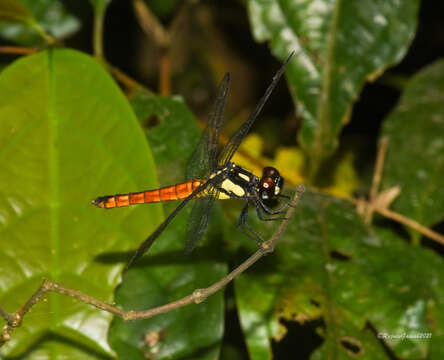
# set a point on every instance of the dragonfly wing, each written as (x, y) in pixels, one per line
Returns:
(144, 247)
(234, 142)
(198, 219)
(204, 158)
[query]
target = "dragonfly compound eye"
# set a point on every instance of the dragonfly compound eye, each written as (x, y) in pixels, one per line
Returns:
(267, 188)
(277, 179)
(270, 171)
(279, 184)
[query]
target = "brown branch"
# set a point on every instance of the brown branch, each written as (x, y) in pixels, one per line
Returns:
(155, 31)
(377, 174)
(197, 296)
(17, 50)
(384, 211)
(412, 224)
(165, 74)
(126, 80)
(380, 202)
(7, 316)
(150, 25)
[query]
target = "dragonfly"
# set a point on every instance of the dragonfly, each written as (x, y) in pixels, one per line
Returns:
(211, 175)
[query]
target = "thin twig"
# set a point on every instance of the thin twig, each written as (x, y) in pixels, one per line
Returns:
(197, 296)
(99, 17)
(379, 166)
(126, 80)
(5, 315)
(412, 224)
(401, 219)
(150, 25)
(377, 174)
(382, 207)
(17, 50)
(47, 37)
(165, 73)
(156, 32)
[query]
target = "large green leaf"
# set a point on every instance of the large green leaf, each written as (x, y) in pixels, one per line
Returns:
(49, 15)
(415, 158)
(338, 45)
(166, 274)
(67, 135)
(329, 266)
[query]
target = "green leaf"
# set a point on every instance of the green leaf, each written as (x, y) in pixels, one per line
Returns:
(49, 15)
(329, 266)
(415, 157)
(15, 11)
(166, 274)
(170, 128)
(67, 135)
(338, 45)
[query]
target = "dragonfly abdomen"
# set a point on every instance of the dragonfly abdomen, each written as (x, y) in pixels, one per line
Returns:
(168, 193)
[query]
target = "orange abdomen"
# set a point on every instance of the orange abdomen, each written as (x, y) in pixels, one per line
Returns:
(168, 193)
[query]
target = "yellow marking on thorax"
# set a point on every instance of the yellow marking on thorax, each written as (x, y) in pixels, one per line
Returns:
(216, 173)
(230, 187)
(243, 176)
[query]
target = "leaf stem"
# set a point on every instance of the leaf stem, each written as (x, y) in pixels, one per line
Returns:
(377, 175)
(126, 80)
(99, 15)
(48, 38)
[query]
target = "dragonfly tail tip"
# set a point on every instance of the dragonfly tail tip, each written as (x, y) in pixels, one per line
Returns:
(99, 202)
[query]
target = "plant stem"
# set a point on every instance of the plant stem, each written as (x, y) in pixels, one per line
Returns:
(99, 15)
(48, 38)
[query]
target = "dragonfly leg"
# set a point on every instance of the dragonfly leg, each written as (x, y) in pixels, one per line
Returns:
(243, 226)
(261, 216)
(284, 196)
(288, 198)
(269, 211)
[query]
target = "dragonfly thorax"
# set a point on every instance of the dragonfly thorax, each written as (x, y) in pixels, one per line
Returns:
(234, 181)
(270, 184)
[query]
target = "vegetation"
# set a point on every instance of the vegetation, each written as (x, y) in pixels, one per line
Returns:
(90, 105)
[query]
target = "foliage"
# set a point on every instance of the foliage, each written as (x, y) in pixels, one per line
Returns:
(68, 134)
(338, 45)
(28, 20)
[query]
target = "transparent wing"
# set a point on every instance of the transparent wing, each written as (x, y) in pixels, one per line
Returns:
(204, 158)
(232, 145)
(199, 218)
(145, 246)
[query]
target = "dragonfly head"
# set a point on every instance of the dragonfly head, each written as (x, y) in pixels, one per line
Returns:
(271, 183)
